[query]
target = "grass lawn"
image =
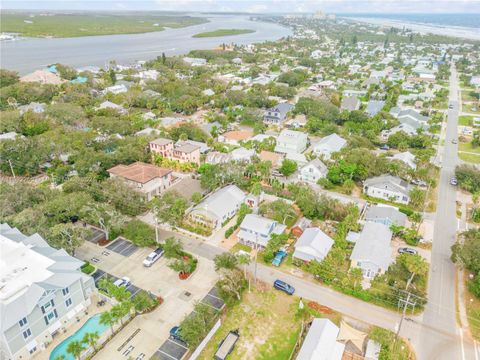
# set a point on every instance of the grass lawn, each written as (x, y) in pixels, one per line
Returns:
(469, 108)
(267, 325)
(472, 305)
(223, 32)
(74, 25)
(469, 154)
(465, 120)
(469, 95)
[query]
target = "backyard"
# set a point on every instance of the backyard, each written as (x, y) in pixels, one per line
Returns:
(266, 323)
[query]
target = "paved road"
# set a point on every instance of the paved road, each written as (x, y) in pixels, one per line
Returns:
(440, 310)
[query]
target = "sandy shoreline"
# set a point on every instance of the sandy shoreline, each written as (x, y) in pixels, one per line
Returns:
(454, 31)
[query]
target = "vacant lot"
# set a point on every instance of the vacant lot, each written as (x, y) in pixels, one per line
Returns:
(223, 32)
(74, 25)
(267, 325)
(468, 153)
(465, 120)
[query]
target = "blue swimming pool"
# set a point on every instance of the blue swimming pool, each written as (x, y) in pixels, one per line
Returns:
(91, 325)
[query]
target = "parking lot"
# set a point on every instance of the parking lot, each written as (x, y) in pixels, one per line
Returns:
(173, 349)
(122, 247)
(179, 297)
(96, 235)
(98, 275)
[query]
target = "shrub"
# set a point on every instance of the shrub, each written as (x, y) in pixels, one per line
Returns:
(87, 268)
(139, 233)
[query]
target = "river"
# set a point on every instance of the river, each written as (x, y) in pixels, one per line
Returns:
(29, 54)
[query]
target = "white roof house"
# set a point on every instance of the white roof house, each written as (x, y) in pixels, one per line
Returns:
(257, 230)
(385, 214)
(328, 145)
(41, 289)
(111, 105)
(291, 141)
(321, 342)
(313, 244)
(413, 118)
(406, 157)
(313, 171)
(406, 128)
(372, 252)
(242, 154)
(218, 207)
(388, 187)
(116, 89)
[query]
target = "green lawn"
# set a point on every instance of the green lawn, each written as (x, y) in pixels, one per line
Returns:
(468, 153)
(465, 120)
(223, 32)
(468, 95)
(267, 325)
(468, 108)
(74, 25)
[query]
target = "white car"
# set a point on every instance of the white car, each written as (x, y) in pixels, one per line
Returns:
(124, 281)
(153, 257)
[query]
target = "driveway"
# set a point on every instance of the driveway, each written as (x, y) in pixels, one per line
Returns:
(145, 333)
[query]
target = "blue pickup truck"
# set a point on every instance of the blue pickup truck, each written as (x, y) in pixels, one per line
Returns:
(279, 256)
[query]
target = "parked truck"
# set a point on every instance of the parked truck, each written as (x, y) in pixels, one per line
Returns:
(226, 345)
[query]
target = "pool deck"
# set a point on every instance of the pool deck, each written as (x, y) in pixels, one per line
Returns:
(92, 310)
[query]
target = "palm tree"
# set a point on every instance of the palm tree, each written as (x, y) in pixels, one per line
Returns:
(91, 339)
(75, 348)
(107, 318)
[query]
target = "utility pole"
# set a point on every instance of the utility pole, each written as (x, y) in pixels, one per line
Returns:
(256, 254)
(406, 302)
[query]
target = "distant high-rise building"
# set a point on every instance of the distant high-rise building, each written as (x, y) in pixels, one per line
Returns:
(320, 15)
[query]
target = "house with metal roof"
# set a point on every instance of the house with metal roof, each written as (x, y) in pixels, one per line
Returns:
(321, 342)
(290, 141)
(388, 187)
(256, 230)
(407, 158)
(386, 215)
(313, 171)
(313, 244)
(42, 293)
(218, 207)
(328, 145)
(374, 107)
(372, 252)
(350, 103)
(413, 118)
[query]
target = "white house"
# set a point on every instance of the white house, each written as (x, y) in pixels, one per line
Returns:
(388, 187)
(291, 141)
(218, 207)
(255, 230)
(313, 244)
(116, 89)
(372, 252)
(313, 171)
(406, 157)
(321, 342)
(328, 145)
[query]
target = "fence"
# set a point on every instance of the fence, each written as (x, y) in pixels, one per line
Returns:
(205, 341)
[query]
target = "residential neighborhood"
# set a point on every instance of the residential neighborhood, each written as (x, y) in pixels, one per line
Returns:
(310, 196)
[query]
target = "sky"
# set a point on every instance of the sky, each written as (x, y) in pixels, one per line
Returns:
(256, 6)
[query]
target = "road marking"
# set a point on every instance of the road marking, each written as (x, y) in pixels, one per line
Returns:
(461, 344)
(475, 349)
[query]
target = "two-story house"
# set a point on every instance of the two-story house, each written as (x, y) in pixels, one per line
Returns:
(277, 114)
(183, 151)
(313, 171)
(328, 145)
(256, 231)
(42, 293)
(290, 141)
(149, 180)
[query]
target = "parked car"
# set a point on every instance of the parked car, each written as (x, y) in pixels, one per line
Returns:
(226, 345)
(450, 106)
(153, 257)
(419, 182)
(454, 141)
(384, 147)
(279, 256)
(454, 181)
(406, 250)
(123, 282)
(175, 334)
(283, 286)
